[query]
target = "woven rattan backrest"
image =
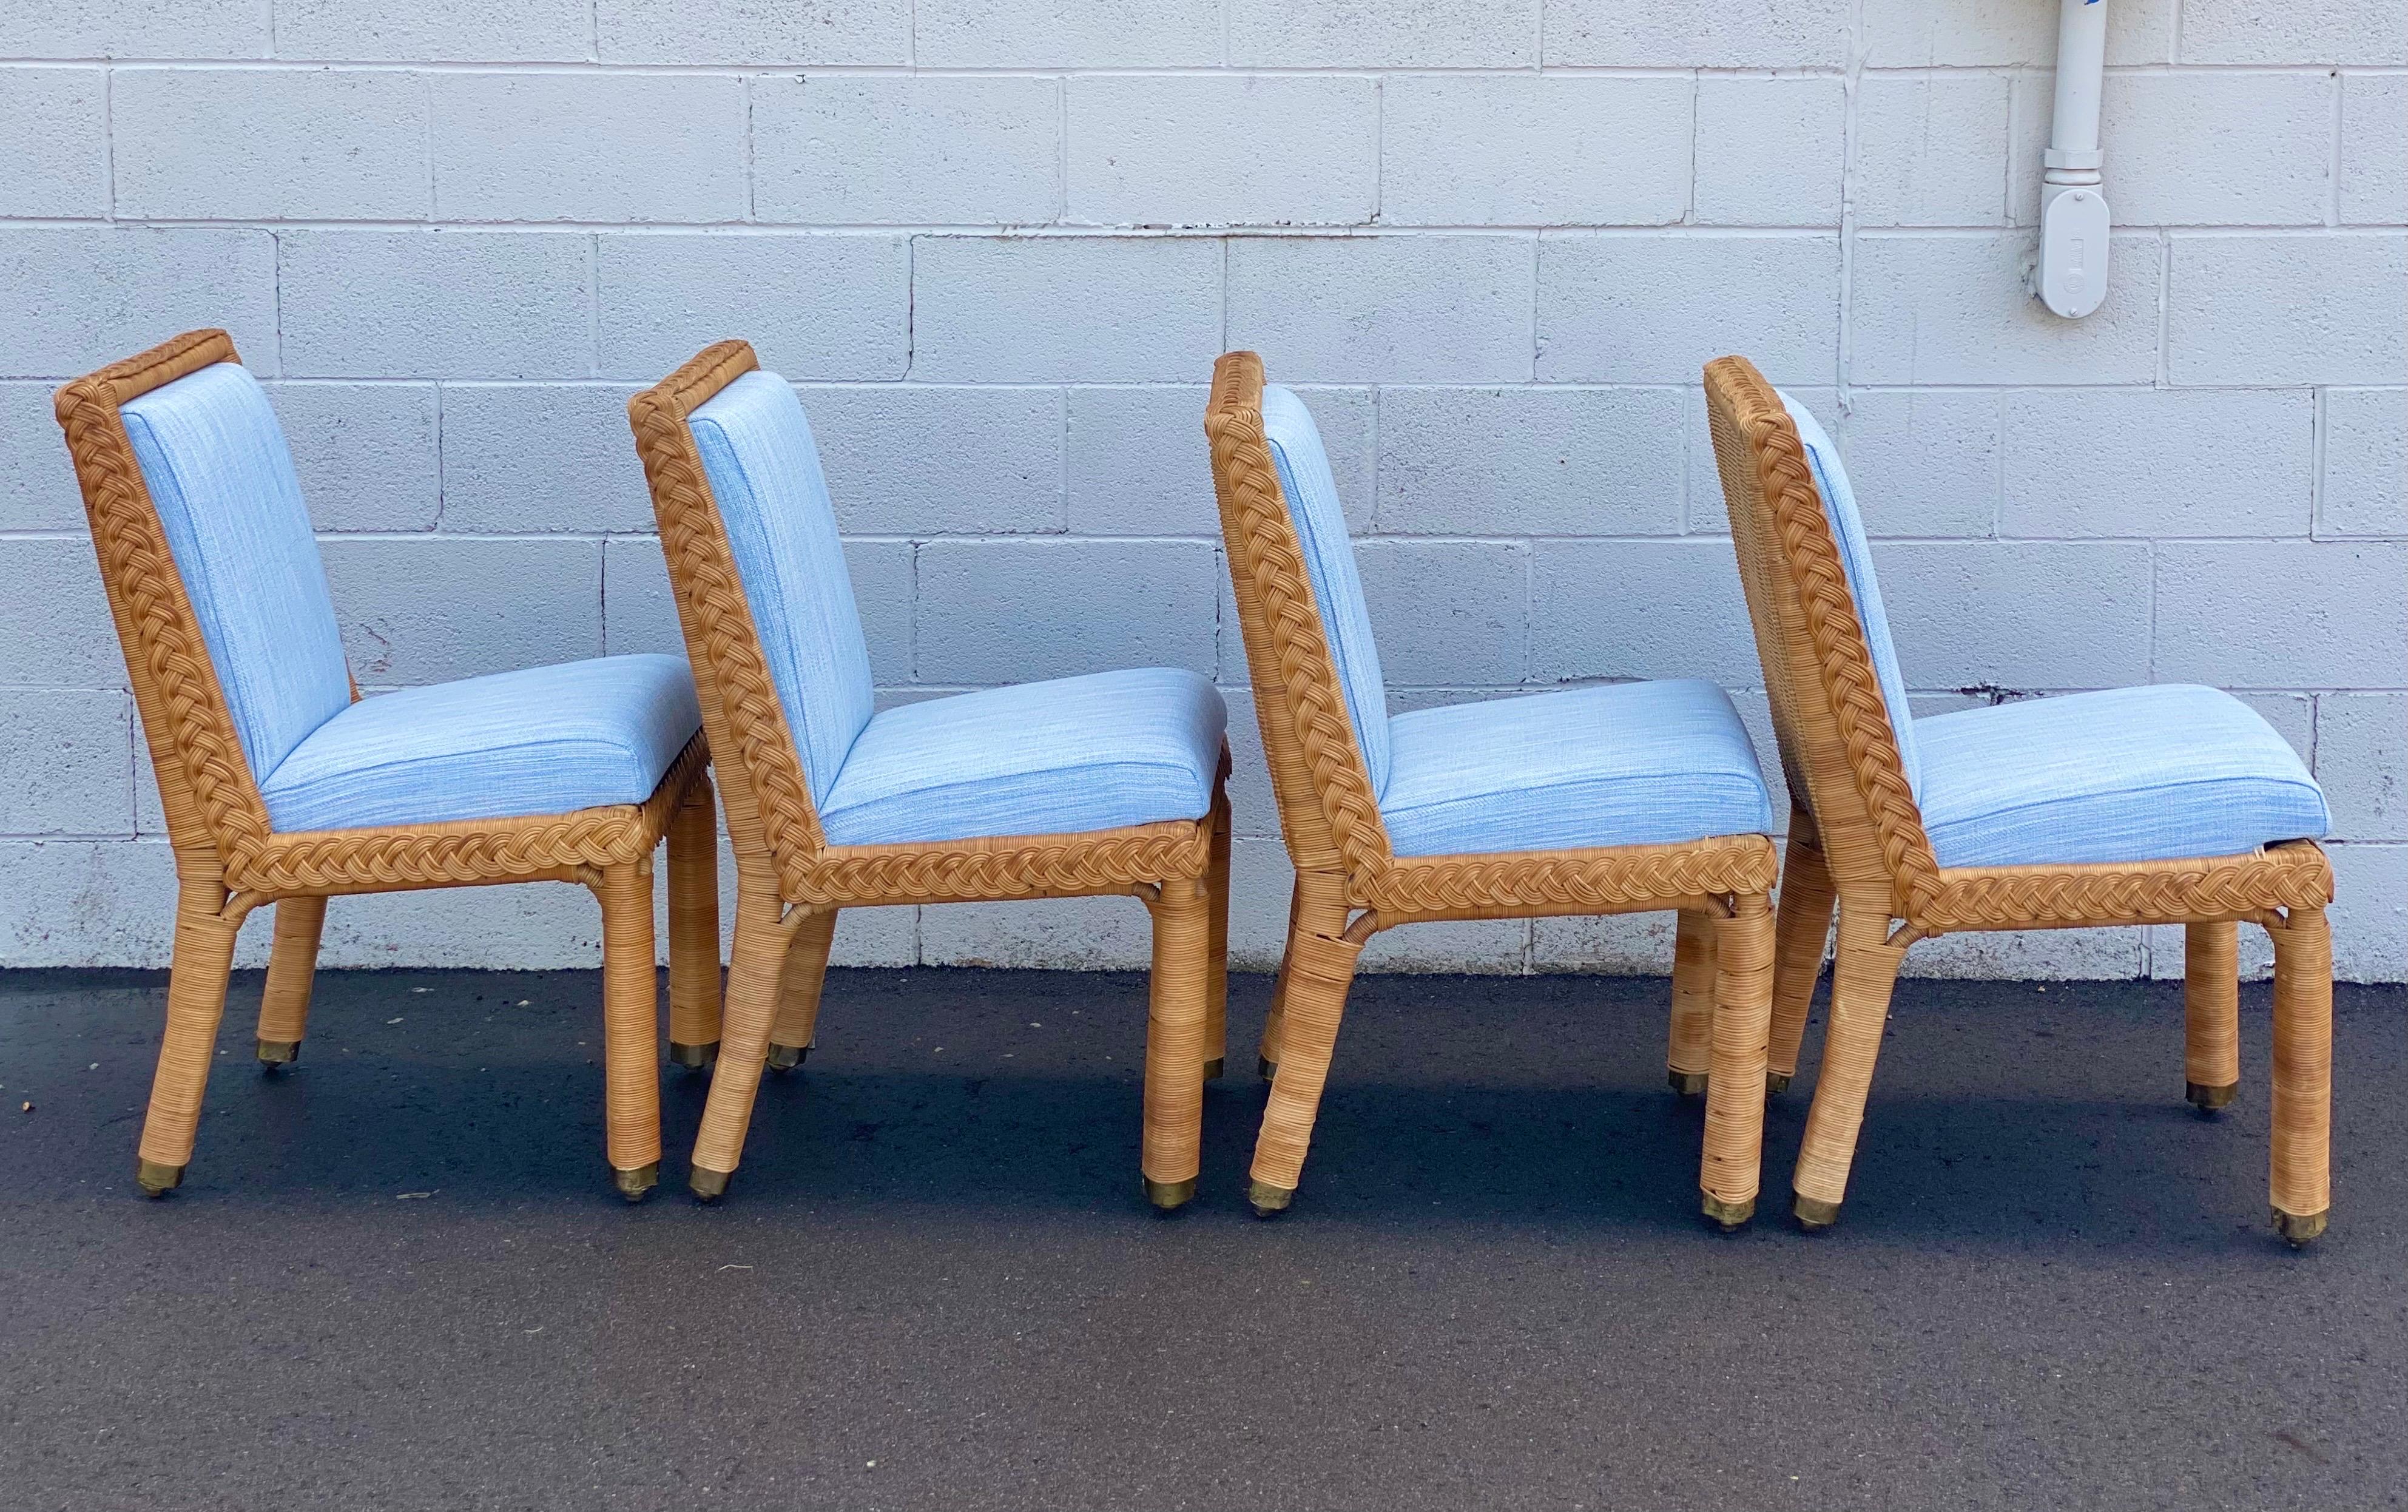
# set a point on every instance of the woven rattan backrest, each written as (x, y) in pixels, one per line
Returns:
(761, 776)
(1836, 747)
(1329, 811)
(207, 788)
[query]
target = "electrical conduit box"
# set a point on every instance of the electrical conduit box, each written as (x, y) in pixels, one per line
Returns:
(2072, 278)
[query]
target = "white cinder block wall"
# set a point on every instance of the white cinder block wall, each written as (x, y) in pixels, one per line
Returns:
(998, 243)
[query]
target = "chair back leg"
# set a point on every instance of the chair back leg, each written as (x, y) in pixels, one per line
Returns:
(694, 928)
(1320, 971)
(2211, 1013)
(2302, 1181)
(291, 970)
(631, 1082)
(1803, 931)
(1267, 1058)
(1216, 980)
(1177, 1027)
(196, 993)
(764, 938)
(1862, 975)
(797, 1024)
(1689, 1055)
(1741, 1018)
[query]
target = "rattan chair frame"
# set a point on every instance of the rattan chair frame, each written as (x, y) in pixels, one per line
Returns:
(1856, 842)
(1349, 884)
(791, 883)
(229, 860)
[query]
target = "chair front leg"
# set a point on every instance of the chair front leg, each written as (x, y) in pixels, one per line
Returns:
(1267, 1058)
(1690, 1053)
(1802, 930)
(1862, 975)
(1216, 980)
(694, 928)
(763, 939)
(1177, 1029)
(2301, 1165)
(796, 1029)
(1319, 970)
(631, 1084)
(1732, 1166)
(196, 993)
(2211, 1013)
(291, 970)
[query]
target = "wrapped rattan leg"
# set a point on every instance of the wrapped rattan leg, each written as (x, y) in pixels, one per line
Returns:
(1216, 981)
(1690, 1054)
(799, 1002)
(1733, 1162)
(1862, 975)
(694, 928)
(762, 941)
(1266, 1061)
(2211, 1013)
(1175, 1042)
(1319, 969)
(631, 1084)
(2301, 1185)
(196, 992)
(291, 970)
(1802, 930)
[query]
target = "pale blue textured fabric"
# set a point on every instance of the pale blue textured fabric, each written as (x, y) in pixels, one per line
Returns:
(1081, 753)
(214, 460)
(2133, 774)
(1329, 557)
(541, 739)
(1622, 764)
(1856, 559)
(764, 472)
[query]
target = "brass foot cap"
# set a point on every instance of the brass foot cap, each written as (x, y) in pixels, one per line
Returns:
(1775, 1083)
(2209, 1099)
(279, 1052)
(634, 1183)
(708, 1184)
(158, 1180)
(1215, 1067)
(694, 1057)
(1813, 1212)
(2301, 1228)
(1688, 1082)
(1169, 1195)
(787, 1057)
(1268, 1202)
(1265, 1066)
(1733, 1217)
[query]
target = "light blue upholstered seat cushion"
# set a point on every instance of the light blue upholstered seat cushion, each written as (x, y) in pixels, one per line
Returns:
(1856, 559)
(763, 469)
(1622, 764)
(2133, 774)
(1311, 493)
(1081, 753)
(215, 462)
(541, 739)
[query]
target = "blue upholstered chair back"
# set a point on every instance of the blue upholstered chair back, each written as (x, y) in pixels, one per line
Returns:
(1856, 558)
(763, 468)
(1329, 556)
(215, 463)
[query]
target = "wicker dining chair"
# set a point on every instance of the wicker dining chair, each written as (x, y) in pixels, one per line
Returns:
(1622, 799)
(2150, 805)
(282, 786)
(1113, 783)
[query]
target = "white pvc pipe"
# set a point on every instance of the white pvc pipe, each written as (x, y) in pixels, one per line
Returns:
(2074, 225)
(2080, 63)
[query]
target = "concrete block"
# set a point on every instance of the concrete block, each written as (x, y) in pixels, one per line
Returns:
(1924, 462)
(1053, 34)
(1768, 150)
(104, 29)
(432, 610)
(2362, 763)
(2034, 955)
(871, 32)
(1531, 461)
(38, 483)
(2363, 32)
(1696, 34)
(85, 902)
(614, 146)
(1395, 310)
(1532, 150)
(1928, 149)
(434, 31)
(1355, 33)
(435, 304)
(2314, 308)
(540, 458)
(1221, 150)
(1054, 308)
(639, 613)
(813, 306)
(1656, 310)
(2283, 613)
(2374, 149)
(55, 129)
(1449, 613)
(2366, 436)
(1611, 609)
(298, 144)
(55, 629)
(996, 611)
(1983, 615)
(364, 452)
(80, 741)
(2196, 149)
(1137, 464)
(910, 150)
(2159, 462)
(906, 460)
(2370, 913)
(81, 297)
(1954, 309)
(1907, 33)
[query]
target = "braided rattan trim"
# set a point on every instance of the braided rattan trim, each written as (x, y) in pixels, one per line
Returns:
(2296, 874)
(1616, 880)
(462, 852)
(1016, 866)
(184, 712)
(1849, 682)
(759, 768)
(1281, 622)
